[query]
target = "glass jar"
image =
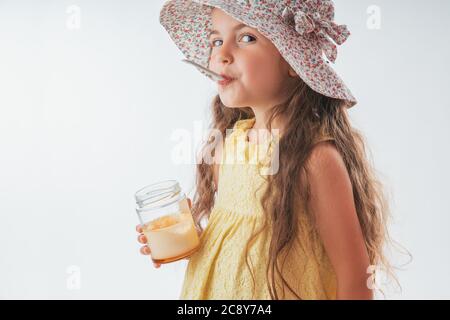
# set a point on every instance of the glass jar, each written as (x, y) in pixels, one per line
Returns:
(166, 221)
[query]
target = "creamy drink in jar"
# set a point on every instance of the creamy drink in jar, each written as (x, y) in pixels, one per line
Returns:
(171, 237)
(167, 221)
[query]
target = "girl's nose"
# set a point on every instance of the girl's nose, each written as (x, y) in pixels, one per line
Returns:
(224, 58)
(224, 54)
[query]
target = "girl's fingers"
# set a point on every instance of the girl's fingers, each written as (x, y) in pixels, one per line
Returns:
(189, 202)
(145, 250)
(142, 239)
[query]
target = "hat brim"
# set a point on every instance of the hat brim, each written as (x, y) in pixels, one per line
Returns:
(188, 22)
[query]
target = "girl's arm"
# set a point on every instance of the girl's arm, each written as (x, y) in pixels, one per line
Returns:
(333, 207)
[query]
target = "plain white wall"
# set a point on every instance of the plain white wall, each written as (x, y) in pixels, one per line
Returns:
(88, 114)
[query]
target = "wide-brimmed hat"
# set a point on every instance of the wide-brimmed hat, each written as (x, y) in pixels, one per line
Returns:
(303, 31)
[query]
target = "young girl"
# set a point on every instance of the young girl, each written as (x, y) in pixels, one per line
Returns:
(314, 227)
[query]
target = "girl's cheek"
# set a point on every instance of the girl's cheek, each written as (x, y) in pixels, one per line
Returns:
(258, 66)
(251, 69)
(258, 75)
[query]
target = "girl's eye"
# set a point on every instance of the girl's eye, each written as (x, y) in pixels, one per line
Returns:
(245, 35)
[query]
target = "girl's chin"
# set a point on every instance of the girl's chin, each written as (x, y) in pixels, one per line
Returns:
(233, 106)
(231, 103)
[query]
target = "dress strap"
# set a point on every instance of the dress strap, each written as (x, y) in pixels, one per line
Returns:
(243, 151)
(240, 129)
(244, 123)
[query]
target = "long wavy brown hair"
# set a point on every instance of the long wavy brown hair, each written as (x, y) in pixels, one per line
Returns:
(309, 115)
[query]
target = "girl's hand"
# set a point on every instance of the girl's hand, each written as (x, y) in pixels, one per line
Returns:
(145, 250)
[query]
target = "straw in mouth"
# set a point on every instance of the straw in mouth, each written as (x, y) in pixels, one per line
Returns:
(216, 77)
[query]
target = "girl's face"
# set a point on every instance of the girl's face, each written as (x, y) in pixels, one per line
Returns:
(262, 77)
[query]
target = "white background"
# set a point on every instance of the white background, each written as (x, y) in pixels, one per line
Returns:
(87, 117)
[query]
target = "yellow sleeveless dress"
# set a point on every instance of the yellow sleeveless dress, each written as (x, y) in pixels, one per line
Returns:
(218, 270)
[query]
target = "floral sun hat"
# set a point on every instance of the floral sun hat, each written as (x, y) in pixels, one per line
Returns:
(303, 31)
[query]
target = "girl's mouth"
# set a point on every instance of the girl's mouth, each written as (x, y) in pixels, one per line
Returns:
(225, 82)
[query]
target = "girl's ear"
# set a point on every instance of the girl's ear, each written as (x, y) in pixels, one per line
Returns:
(292, 72)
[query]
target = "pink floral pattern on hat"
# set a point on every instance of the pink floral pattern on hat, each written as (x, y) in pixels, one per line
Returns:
(303, 31)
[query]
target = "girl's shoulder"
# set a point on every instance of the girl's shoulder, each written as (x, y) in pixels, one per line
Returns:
(322, 136)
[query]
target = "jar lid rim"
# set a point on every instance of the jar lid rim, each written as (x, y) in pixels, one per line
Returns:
(155, 193)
